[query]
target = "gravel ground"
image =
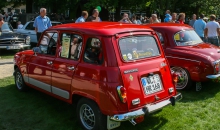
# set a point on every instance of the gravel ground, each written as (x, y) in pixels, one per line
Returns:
(6, 68)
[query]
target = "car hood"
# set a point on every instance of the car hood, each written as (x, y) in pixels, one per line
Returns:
(11, 35)
(210, 51)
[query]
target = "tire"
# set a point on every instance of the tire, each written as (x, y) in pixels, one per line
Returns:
(96, 121)
(19, 81)
(184, 80)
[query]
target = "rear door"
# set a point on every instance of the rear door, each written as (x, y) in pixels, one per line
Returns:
(144, 69)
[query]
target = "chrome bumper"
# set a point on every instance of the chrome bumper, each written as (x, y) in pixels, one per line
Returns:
(213, 76)
(19, 46)
(146, 109)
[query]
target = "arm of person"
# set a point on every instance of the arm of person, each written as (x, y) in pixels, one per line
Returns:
(36, 30)
(206, 32)
(35, 25)
(49, 23)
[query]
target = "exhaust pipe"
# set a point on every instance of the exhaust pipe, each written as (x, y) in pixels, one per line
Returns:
(133, 122)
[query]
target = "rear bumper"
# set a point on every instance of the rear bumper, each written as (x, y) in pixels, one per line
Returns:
(146, 109)
(213, 76)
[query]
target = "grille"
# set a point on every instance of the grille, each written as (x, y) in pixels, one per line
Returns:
(12, 41)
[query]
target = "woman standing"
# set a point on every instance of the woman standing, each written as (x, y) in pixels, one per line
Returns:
(181, 18)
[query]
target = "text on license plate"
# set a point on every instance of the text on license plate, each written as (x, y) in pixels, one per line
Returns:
(12, 47)
(151, 84)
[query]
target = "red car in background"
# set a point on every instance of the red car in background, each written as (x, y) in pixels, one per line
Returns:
(189, 57)
(114, 72)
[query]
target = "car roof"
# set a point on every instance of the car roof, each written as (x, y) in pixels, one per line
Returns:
(102, 28)
(174, 27)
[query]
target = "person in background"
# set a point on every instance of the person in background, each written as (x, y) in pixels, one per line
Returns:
(1, 22)
(173, 20)
(20, 26)
(181, 18)
(212, 31)
(94, 17)
(138, 20)
(199, 26)
(41, 23)
(167, 16)
(83, 17)
(7, 18)
(125, 19)
(191, 22)
(134, 21)
(154, 19)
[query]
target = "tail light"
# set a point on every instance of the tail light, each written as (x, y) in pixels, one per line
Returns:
(122, 93)
(175, 77)
(216, 68)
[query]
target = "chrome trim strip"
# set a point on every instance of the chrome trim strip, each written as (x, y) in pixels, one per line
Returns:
(40, 84)
(213, 76)
(146, 109)
(14, 38)
(26, 79)
(21, 46)
(60, 92)
(182, 58)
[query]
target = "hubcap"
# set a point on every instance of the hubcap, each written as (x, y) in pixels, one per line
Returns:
(182, 77)
(18, 79)
(87, 116)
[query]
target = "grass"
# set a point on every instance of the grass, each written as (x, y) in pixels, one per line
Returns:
(34, 110)
(7, 54)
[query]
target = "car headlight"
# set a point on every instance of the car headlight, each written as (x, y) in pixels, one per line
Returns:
(216, 67)
(28, 40)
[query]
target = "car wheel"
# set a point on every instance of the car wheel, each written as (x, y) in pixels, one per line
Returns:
(184, 80)
(19, 81)
(90, 116)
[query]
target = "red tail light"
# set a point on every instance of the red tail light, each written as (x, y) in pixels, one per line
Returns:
(216, 68)
(122, 93)
(175, 77)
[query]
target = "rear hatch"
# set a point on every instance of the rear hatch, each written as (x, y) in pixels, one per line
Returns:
(144, 69)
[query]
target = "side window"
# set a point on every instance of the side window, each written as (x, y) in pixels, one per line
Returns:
(48, 43)
(93, 51)
(160, 37)
(30, 26)
(71, 45)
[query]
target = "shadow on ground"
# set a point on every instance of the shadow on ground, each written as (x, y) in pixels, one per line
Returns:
(209, 90)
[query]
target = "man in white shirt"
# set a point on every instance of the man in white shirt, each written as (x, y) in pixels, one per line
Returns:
(212, 31)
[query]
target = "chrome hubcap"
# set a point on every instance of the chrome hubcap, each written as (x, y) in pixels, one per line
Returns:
(87, 116)
(18, 79)
(182, 77)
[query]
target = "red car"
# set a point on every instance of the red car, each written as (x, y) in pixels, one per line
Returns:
(114, 72)
(189, 57)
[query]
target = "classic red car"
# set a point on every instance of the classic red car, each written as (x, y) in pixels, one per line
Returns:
(189, 57)
(114, 72)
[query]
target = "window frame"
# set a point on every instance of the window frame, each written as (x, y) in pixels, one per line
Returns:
(85, 47)
(60, 45)
(141, 59)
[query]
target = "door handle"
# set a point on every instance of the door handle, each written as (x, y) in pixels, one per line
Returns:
(49, 62)
(71, 68)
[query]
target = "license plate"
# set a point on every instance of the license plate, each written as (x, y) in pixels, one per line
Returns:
(12, 47)
(112, 124)
(152, 84)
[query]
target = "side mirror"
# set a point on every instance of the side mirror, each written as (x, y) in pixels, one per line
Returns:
(36, 50)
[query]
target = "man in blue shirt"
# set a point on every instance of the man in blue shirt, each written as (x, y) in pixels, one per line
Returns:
(41, 23)
(82, 18)
(199, 26)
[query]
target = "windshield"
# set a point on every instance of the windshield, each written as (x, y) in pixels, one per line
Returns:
(138, 47)
(187, 38)
(6, 27)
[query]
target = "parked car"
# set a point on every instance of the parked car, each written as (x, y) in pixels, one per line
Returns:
(189, 57)
(28, 29)
(114, 72)
(10, 40)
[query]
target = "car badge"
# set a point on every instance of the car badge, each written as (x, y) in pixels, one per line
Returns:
(131, 77)
(130, 71)
(156, 97)
(136, 101)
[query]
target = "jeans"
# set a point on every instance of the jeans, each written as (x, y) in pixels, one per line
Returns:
(43, 49)
(213, 40)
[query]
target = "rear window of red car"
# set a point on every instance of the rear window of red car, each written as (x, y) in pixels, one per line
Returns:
(138, 47)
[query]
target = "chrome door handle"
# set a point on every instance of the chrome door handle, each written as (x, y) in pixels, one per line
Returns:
(49, 62)
(71, 68)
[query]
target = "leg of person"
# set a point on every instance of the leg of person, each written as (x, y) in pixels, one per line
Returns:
(216, 42)
(38, 36)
